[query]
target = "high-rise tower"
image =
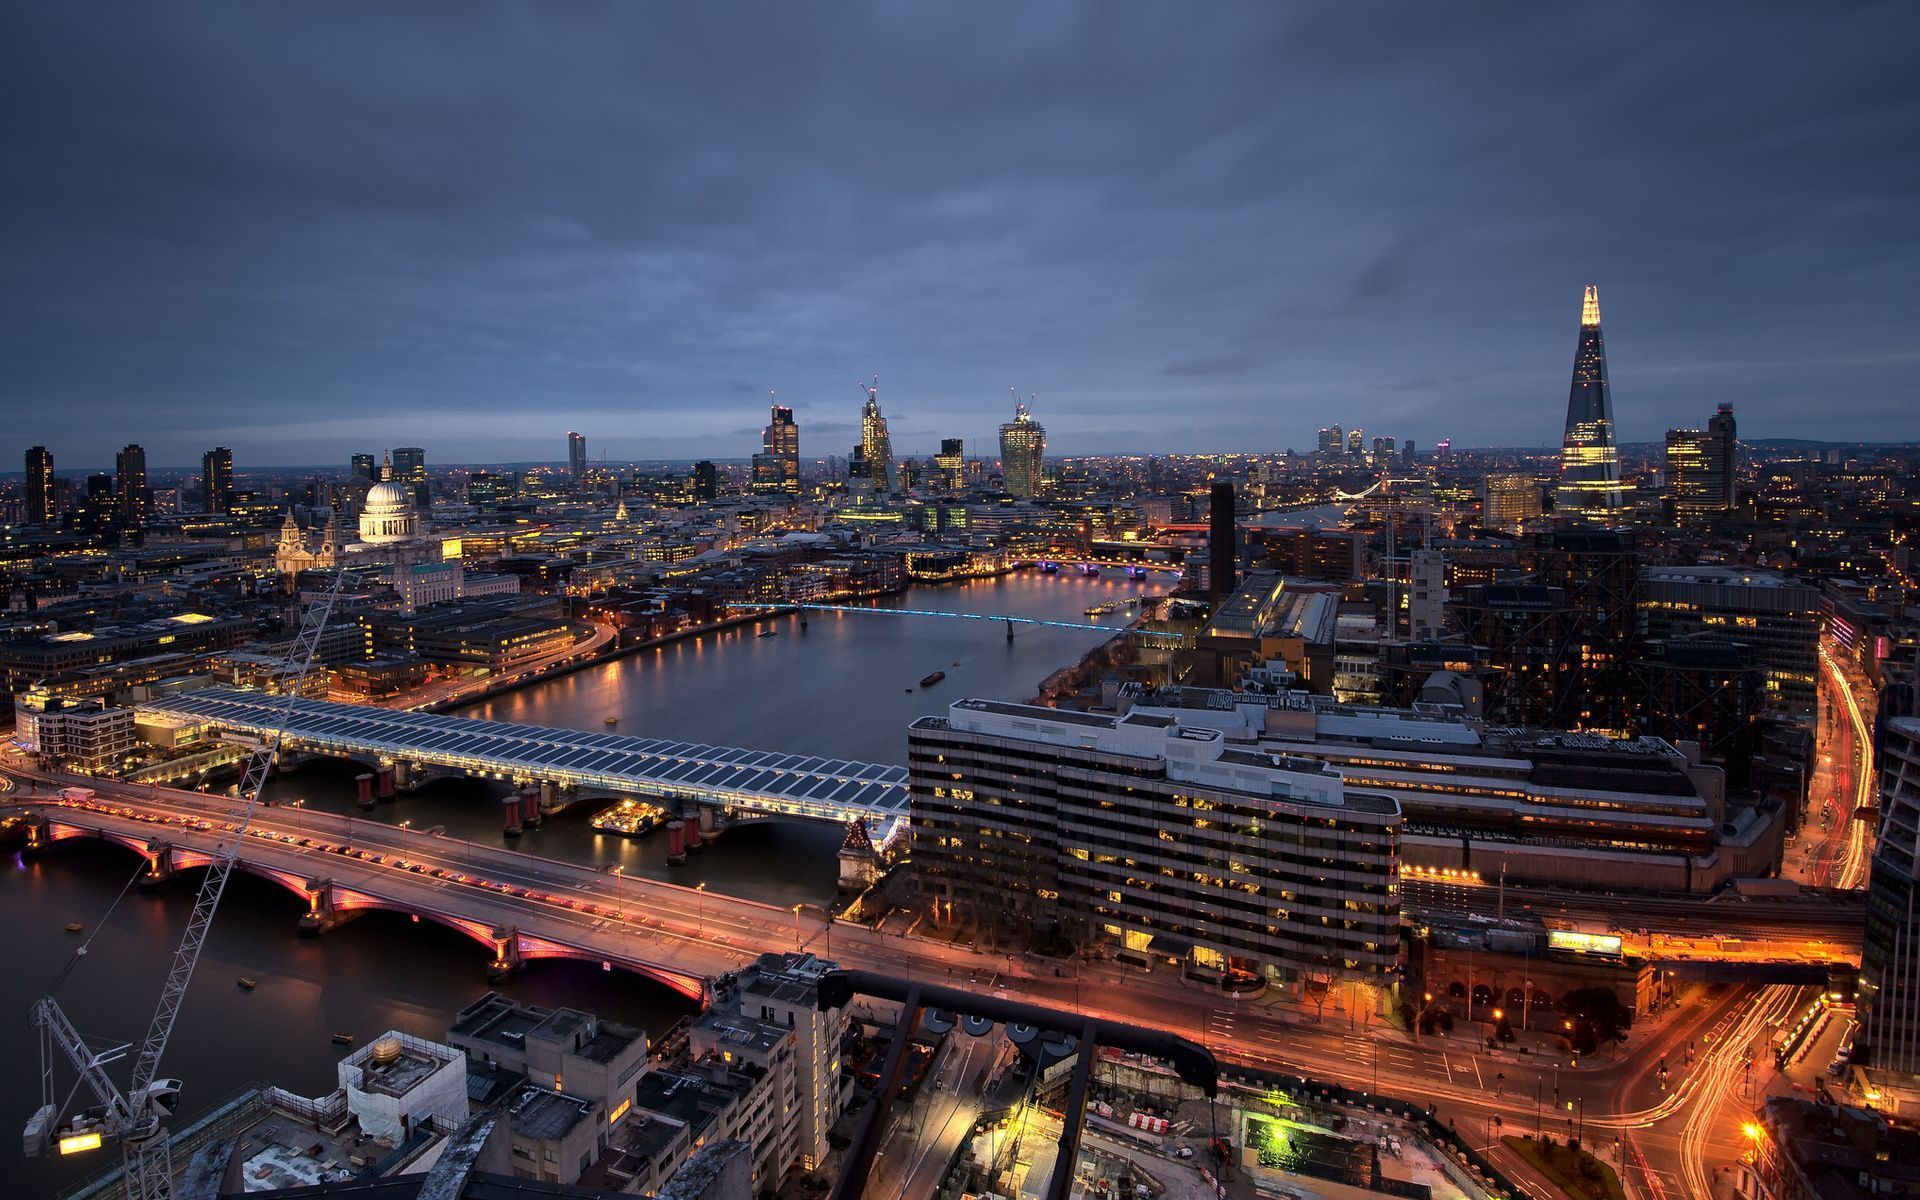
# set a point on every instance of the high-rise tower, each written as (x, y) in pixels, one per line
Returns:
(133, 502)
(216, 472)
(576, 455)
(1023, 446)
(1589, 460)
(40, 493)
(876, 444)
(777, 467)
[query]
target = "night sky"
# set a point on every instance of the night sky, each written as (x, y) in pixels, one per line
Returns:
(304, 230)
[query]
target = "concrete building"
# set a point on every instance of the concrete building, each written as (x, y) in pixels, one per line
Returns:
(84, 734)
(1777, 616)
(1544, 806)
(1509, 501)
(397, 1083)
(1157, 834)
(1426, 594)
(1889, 1000)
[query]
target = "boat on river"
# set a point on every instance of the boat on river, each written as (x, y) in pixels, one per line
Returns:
(629, 818)
(932, 679)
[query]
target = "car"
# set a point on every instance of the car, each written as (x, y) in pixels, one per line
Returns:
(1184, 1152)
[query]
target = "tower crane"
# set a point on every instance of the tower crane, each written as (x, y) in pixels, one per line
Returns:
(137, 1117)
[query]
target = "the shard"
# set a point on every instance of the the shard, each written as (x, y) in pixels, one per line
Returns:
(1589, 459)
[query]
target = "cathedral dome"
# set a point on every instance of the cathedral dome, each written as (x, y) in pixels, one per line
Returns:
(387, 515)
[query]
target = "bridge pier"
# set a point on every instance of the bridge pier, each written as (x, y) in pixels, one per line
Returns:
(39, 836)
(160, 868)
(321, 915)
(676, 842)
(506, 954)
(363, 790)
(553, 800)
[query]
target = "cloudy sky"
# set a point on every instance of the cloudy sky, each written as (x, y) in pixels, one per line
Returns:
(303, 230)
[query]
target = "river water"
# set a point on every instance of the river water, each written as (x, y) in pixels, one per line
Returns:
(845, 686)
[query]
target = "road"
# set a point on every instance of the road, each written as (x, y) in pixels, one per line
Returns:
(1853, 862)
(688, 930)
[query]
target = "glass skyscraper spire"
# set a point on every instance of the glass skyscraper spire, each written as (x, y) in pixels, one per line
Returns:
(1589, 459)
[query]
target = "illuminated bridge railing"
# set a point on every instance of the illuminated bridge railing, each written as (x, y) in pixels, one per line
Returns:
(761, 780)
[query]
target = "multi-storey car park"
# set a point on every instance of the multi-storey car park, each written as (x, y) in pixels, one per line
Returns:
(1535, 806)
(1158, 834)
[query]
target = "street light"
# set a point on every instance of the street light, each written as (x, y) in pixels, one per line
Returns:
(796, 927)
(700, 908)
(404, 826)
(619, 910)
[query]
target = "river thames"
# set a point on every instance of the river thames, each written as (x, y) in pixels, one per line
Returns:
(845, 686)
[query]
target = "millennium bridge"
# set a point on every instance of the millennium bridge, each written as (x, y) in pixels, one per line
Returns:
(567, 762)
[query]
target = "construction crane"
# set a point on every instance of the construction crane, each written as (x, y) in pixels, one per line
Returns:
(137, 1117)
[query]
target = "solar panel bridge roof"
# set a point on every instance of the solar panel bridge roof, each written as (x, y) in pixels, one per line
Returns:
(766, 780)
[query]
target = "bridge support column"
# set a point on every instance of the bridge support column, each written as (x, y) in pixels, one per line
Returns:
(1009, 630)
(397, 778)
(676, 842)
(159, 870)
(320, 915)
(510, 810)
(363, 790)
(506, 954)
(39, 835)
(699, 829)
(553, 799)
(530, 806)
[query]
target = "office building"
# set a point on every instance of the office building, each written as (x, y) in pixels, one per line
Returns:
(1356, 442)
(950, 465)
(1889, 999)
(767, 1014)
(576, 456)
(1686, 471)
(1723, 460)
(1333, 443)
(1589, 460)
(1223, 551)
(780, 448)
(40, 491)
(216, 474)
(133, 500)
(876, 445)
(409, 464)
(1023, 448)
(1510, 501)
(706, 481)
(1426, 594)
(364, 466)
(1777, 616)
(486, 491)
(1154, 833)
(1546, 806)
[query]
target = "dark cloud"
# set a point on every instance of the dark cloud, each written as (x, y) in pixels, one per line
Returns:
(306, 230)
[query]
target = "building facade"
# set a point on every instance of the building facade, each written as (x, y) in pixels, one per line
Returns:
(1023, 447)
(1157, 835)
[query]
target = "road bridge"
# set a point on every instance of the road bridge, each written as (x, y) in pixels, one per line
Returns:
(760, 782)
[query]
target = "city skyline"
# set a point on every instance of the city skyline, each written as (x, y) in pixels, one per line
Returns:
(1326, 233)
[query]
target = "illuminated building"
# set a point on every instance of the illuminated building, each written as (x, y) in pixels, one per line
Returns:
(1356, 442)
(951, 464)
(1890, 954)
(1552, 807)
(1162, 835)
(486, 491)
(1700, 469)
(1509, 501)
(876, 445)
(364, 466)
(706, 481)
(410, 467)
(577, 455)
(1778, 617)
(1589, 460)
(1023, 447)
(216, 473)
(1686, 474)
(1333, 442)
(40, 493)
(133, 500)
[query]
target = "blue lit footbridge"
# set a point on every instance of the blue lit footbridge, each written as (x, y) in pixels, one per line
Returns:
(568, 762)
(1162, 639)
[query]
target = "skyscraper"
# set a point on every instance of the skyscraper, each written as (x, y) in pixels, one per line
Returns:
(1723, 458)
(576, 455)
(876, 444)
(780, 442)
(364, 466)
(1333, 442)
(706, 481)
(1023, 447)
(951, 464)
(1356, 442)
(1589, 461)
(216, 472)
(133, 502)
(410, 464)
(40, 486)
(1223, 553)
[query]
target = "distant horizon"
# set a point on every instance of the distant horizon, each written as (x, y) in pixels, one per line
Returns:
(1425, 452)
